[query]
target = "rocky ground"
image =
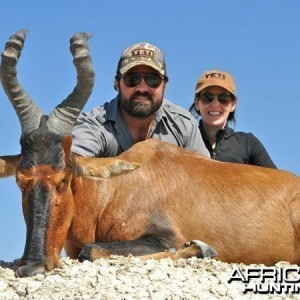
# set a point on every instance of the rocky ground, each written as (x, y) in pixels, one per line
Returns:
(130, 278)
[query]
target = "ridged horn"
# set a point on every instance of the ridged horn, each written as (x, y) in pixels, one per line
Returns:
(28, 112)
(63, 117)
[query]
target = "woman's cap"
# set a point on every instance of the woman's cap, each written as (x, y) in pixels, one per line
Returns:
(142, 54)
(217, 78)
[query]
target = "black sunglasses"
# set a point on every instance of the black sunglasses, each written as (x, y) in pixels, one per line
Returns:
(208, 97)
(151, 79)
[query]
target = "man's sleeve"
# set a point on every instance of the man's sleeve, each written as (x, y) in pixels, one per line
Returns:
(195, 141)
(87, 137)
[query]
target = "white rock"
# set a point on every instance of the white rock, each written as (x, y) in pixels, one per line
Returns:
(33, 286)
(3, 286)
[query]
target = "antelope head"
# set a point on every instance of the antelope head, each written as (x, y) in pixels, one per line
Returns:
(43, 170)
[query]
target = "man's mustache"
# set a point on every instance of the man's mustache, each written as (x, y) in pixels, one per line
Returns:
(144, 94)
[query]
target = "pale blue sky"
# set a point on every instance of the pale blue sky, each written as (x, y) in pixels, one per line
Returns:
(256, 41)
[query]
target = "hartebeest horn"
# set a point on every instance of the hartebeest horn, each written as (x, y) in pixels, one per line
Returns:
(63, 117)
(28, 112)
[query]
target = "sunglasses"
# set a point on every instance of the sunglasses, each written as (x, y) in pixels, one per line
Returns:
(208, 97)
(151, 79)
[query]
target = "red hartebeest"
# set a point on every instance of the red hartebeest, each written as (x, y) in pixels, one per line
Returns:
(151, 198)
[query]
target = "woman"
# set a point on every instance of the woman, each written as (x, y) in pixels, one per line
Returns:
(215, 101)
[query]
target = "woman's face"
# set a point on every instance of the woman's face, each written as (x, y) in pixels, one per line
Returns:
(214, 105)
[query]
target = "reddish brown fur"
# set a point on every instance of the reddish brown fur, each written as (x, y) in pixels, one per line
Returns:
(248, 214)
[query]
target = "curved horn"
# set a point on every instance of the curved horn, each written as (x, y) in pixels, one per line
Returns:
(28, 112)
(63, 117)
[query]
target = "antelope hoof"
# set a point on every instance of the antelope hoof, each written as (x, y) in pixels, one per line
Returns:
(30, 269)
(205, 250)
(92, 252)
(85, 253)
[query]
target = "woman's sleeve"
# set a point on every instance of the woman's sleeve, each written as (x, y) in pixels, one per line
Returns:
(258, 153)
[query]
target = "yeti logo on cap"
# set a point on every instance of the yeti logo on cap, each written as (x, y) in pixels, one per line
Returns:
(216, 75)
(142, 52)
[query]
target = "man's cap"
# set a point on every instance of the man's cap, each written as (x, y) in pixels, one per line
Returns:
(142, 54)
(217, 78)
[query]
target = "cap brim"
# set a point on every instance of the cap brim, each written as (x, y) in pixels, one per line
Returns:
(129, 66)
(204, 86)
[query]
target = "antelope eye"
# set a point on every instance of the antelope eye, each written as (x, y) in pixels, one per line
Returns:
(61, 186)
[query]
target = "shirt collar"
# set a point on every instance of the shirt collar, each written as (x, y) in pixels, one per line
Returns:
(225, 132)
(112, 110)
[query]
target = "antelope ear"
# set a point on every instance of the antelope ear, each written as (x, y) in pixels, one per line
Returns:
(8, 165)
(117, 167)
(103, 167)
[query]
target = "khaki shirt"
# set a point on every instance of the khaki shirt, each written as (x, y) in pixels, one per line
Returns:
(103, 132)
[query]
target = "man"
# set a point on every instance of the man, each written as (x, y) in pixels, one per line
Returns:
(138, 112)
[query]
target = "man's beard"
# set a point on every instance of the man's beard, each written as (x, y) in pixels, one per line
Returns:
(140, 109)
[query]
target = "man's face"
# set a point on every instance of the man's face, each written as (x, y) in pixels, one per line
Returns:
(141, 100)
